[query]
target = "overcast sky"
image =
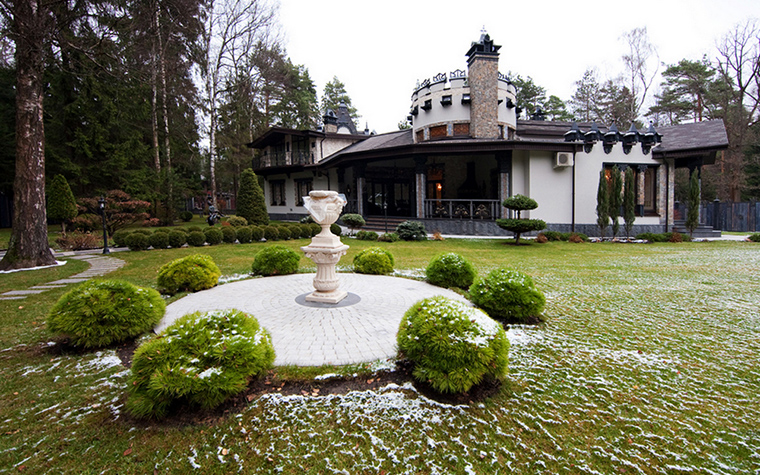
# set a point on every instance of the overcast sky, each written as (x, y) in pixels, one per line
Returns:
(380, 49)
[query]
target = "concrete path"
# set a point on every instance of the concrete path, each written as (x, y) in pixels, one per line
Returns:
(318, 334)
(99, 265)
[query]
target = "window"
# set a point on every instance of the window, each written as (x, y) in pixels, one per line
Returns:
(277, 193)
(650, 191)
(303, 187)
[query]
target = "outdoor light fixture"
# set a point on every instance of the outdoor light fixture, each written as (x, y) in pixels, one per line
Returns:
(611, 138)
(574, 134)
(630, 139)
(102, 206)
(591, 137)
(649, 139)
(510, 104)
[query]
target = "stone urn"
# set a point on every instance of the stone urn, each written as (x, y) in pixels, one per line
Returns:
(325, 249)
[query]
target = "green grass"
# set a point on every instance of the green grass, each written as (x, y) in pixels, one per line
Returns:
(648, 363)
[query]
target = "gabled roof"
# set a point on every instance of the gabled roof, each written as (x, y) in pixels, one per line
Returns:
(709, 135)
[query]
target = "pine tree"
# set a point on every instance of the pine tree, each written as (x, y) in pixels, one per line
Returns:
(518, 226)
(616, 200)
(692, 215)
(250, 199)
(61, 203)
(629, 200)
(602, 204)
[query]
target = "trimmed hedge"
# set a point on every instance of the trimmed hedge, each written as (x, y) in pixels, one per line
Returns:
(137, 241)
(229, 235)
(453, 346)
(271, 233)
(195, 272)
(509, 295)
(366, 236)
(388, 237)
(200, 360)
(159, 240)
(450, 270)
(102, 312)
(237, 221)
(244, 234)
(120, 237)
(177, 239)
(196, 239)
(213, 235)
(373, 260)
(257, 234)
(276, 260)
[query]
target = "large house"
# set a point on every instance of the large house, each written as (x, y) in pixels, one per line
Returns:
(467, 151)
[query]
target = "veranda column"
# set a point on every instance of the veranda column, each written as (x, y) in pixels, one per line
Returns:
(504, 162)
(640, 192)
(359, 175)
(420, 185)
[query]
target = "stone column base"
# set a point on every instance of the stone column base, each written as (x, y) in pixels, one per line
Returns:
(327, 297)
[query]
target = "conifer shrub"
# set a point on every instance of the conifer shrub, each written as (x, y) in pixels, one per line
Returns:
(137, 241)
(102, 312)
(335, 229)
(452, 346)
(228, 234)
(284, 233)
(250, 199)
(553, 235)
(450, 270)
(196, 239)
(243, 234)
(373, 260)
(159, 240)
(194, 272)
(177, 239)
(257, 233)
(276, 260)
(119, 237)
(353, 221)
(237, 221)
(192, 229)
(411, 231)
(213, 235)
(200, 360)
(186, 216)
(61, 203)
(146, 232)
(388, 237)
(271, 233)
(367, 236)
(755, 237)
(508, 295)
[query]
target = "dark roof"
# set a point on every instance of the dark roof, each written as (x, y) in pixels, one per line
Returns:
(697, 136)
(274, 135)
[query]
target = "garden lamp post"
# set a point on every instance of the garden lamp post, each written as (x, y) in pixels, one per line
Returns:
(102, 205)
(385, 212)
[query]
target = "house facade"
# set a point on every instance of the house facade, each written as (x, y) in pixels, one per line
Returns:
(467, 151)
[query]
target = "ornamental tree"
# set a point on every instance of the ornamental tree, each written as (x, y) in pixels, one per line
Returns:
(518, 225)
(616, 200)
(61, 202)
(629, 201)
(602, 204)
(250, 200)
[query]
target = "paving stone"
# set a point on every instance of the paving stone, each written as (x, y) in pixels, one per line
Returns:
(70, 280)
(14, 297)
(47, 286)
(309, 336)
(21, 292)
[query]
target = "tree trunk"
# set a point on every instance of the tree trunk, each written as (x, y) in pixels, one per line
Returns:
(154, 90)
(165, 110)
(29, 238)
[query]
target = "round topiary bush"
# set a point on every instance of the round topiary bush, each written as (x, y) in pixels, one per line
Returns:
(229, 235)
(120, 237)
(192, 229)
(411, 231)
(284, 233)
(335, 229)
(186, 216)
(257, 233)
(509, 295)
(213, 235)
(196, 239)
(271, 233)
(276, 260)
(305, 230)
(146, 232)
(137, 242)
(159, 240)
(373, 260)
(201, 360)
(101, 312)
(315, 229)
(237, 221)
(453, 346)
(243, 234)
(353, 221)
(195, 272)
(177, 239)
(450, 270)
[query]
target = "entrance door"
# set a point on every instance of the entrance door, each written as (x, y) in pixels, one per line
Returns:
(396, 194)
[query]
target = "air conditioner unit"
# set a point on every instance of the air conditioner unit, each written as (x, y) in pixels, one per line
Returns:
(563, 159)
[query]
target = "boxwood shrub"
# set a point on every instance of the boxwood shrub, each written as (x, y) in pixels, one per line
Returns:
(186, 216)
(284, 233)
(305, 230)
(102, 312)
(159, 240)
(120, 237)
(508, 295)
(373, 260)
(196, 239)
(237, 221)
(213, 235)
(315, 228)
(243, 234)
(137, 241)
(192, 229)
(450, 270)
(271, 233)
(452, 346)
(257, 233)
(177, 239)
(200, 360)
(228, 234)
(411, 231)
(335, 229)
(194, 272)
(276, 260)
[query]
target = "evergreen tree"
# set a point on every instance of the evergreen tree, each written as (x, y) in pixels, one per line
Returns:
(250, 199)
(335, 93)
(518, 226)
(692, 215)
(602, 204)
(61, 203)
(530, 96)
(629, 200)
(616, 200)
(584, 101)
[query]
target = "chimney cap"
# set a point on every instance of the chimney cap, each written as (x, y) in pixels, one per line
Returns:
(484, 46)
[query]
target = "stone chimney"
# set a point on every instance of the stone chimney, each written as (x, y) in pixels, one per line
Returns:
(483, 76)
(331, 122)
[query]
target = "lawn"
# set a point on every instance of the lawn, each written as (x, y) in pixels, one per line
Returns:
(648, 363)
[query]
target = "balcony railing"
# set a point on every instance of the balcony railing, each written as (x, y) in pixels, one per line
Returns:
(463, 209)
(281, 159)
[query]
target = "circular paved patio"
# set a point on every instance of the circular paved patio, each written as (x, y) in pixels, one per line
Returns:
(312, 336)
